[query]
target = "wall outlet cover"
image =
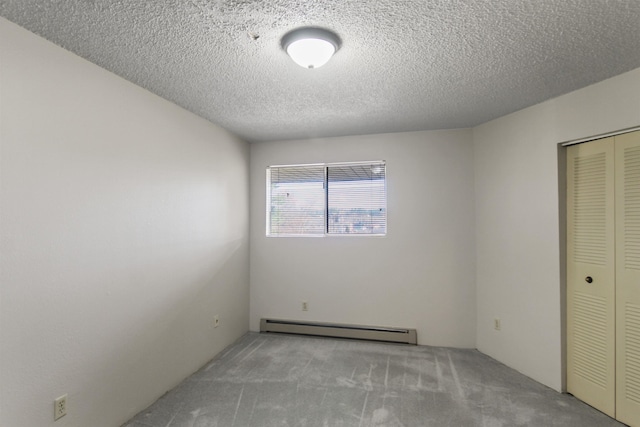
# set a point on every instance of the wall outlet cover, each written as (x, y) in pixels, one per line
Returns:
(60, 407)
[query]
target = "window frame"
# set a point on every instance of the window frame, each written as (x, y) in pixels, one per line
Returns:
(326, 167)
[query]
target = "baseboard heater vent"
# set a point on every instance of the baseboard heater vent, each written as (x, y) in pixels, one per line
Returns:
(373, 333)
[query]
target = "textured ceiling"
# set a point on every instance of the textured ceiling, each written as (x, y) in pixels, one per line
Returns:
(403, 65)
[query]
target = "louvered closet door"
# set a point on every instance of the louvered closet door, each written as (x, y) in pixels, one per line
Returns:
(591, 274)
(628, 278)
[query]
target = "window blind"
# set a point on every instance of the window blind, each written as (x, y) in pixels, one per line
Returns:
(296, 200)
(356, 199)
(346, 198)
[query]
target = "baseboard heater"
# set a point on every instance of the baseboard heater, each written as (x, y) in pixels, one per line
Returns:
(335, 330)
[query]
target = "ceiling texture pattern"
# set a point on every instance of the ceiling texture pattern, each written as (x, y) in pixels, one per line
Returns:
(403, 65)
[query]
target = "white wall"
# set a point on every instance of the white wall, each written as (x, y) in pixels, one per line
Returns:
(421, 275)
(519, 266)
(124, 230)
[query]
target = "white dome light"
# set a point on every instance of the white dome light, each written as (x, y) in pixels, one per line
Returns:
(311, 53)
(310, 47)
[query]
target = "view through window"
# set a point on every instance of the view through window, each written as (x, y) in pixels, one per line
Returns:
(331, 199)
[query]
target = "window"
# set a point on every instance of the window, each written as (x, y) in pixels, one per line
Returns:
(332, 199)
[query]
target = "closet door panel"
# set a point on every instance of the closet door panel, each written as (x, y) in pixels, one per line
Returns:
(627, 195)
(591, 274)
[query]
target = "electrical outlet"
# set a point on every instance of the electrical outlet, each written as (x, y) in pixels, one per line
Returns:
(60, 407)
(216, 321)
(305, 306)
(496, 324)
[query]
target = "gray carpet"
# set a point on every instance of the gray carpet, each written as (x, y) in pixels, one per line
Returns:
(287, 381)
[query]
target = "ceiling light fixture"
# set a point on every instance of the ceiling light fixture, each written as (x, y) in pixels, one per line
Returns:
(310, 47)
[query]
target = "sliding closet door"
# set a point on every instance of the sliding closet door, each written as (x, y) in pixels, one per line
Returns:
(591, 274)
(628, 277)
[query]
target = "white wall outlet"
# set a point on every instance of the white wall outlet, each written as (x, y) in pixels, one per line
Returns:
(216, 321)
(305, 306)
(60, 407)
(496, 324)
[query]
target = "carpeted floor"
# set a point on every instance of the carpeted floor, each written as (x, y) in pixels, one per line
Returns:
(287, 381)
